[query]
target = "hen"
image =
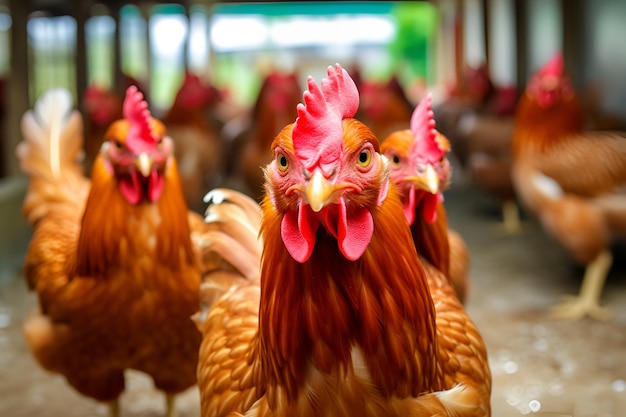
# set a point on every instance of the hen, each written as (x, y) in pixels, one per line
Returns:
(101, 107)
(198, 147)
(571, 179)
(344, 319)
(421, 170)
(384, 106)
(274, 108)
(111, 259)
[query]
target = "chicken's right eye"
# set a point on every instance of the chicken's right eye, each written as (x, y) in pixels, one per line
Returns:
(282, 161)
(396, 160)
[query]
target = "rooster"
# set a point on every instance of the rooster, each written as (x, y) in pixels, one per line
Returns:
(421, 170)
(571, 179)
(111, 259)
(344, 320)
(197, 145)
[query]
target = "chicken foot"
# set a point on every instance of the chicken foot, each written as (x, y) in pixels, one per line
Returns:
(587, 302)
(114, 408)
(170, 404)
(511, 224)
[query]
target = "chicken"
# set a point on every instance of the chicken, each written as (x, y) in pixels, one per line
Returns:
(344, 319)
(111, 258)
(471, 97)
(384, 106)
(198, 147)
(421, 170)
(274, 108)
(101, 107)
(488, 137)
(572, 180)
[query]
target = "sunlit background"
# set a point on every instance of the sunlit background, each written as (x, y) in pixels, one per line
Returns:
(227, 41)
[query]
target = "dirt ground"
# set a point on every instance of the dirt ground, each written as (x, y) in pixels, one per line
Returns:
(540, 367)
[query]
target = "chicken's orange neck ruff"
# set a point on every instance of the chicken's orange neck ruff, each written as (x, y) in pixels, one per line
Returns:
(106, 234)
(313, 314)
(537, 129)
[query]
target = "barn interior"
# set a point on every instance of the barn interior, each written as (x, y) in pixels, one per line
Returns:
(475, 57)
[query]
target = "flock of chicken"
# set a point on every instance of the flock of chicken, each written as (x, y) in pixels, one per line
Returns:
(340, 294)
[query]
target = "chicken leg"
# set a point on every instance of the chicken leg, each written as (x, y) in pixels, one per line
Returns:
(511, 224)
(114, 408)
(587, 302)
(170, 403)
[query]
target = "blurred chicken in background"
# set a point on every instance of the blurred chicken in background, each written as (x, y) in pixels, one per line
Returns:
(488, 137)
(192, 124)
(384, 106)
(573, 180)
(111, 259)
(472, 95)
(274, 107)
(101, 107)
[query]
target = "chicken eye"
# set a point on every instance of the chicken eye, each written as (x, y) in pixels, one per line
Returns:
(365, 157)
(282, 161)
(396, 160)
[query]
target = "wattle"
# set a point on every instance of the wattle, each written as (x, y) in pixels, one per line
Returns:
(131, 188)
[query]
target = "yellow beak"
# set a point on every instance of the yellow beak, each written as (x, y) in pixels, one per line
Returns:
(144, 164)
(318, 191)
(428, 181)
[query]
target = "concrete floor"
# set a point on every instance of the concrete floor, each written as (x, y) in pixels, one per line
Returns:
(540, 367)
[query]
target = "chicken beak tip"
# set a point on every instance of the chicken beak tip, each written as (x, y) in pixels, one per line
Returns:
(144, 164)
(317, 191)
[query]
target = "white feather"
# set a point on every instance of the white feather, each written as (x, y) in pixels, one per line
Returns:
(52, 110)
(547, 186)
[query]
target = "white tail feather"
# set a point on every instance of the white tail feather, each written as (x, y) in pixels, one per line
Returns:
(50, 153)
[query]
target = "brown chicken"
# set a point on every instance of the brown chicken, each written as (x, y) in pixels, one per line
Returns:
(488, 137)
(471, 96)
(198, 147)
(111, 258)
(384, 106)
(572, 180)
(421, 170)
(345, 320)
(274, 108)
(101, 107)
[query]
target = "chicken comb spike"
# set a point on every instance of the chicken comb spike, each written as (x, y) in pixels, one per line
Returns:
(317, 132)
(554, 66)
(423, 130)
(136, 112)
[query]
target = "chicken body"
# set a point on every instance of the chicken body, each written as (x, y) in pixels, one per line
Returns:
(198, 148)
(274, 108)
(571, 179)
(421, 171)
(344, 319)
(111, 259)
(384, 106)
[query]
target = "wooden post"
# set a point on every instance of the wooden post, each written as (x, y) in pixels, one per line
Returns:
(521, 28)
(17, 86)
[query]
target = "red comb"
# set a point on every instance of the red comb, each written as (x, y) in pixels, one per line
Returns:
(423, 129)
(317, 133)
(136, 112)
(554, 66)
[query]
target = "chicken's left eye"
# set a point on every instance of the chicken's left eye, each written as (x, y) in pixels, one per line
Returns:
(282, 162)
(395, 159)
(365, 157)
